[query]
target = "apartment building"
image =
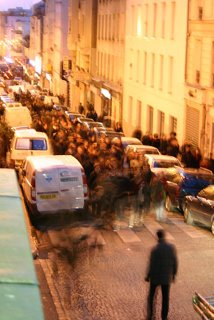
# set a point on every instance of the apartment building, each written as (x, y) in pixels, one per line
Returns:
(82, 39)
(55, 33)
(155, 54)
(199, 90)
(110, 56)
(36, 37)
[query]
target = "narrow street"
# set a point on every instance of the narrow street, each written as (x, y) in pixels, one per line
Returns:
(106, 281)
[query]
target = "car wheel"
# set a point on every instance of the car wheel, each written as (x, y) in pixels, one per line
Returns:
(168, 204)
(212, 227)
(187, 216)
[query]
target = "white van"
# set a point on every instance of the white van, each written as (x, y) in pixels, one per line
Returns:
(27, 142)
(17, 116)
(53, 184)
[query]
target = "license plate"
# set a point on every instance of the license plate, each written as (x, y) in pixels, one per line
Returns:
(47, 196)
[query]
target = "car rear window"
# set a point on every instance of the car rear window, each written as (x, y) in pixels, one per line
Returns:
(31, 144)
(165, 164)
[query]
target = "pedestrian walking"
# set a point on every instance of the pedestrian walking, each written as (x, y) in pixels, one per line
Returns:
(162, 270)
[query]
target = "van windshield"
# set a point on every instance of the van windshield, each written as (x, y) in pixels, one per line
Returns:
(31, 144)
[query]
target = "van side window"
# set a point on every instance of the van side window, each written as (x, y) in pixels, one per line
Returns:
(22, 144)
(39, 144)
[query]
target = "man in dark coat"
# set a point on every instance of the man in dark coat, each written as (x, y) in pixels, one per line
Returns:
(162, 270)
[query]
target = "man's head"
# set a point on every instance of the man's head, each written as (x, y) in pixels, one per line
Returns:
(161, 234)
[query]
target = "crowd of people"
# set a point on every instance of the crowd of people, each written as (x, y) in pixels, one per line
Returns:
(110, 172)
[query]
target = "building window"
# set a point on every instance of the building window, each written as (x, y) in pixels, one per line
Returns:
(130, 109)
(170, 75)
(154, 19)
(139, 21)
(139, 112)
(101, 63)
(173, 7)
(161, 120)
(197, 76)
(163, 23)
(212, 76)
(173, 124)
(150, 115)
(200, 13)
(161, 73)
(145, 68)
(197, 54)
(102, 30)
(146, 13)
(131, 65)
(152, 70)
(138, 65)
(133, 20)
(98, 28)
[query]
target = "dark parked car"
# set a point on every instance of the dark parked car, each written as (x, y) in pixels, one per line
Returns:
(180, 182)
(200, 208)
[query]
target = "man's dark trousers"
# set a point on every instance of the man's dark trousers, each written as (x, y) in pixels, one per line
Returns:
(165, 288)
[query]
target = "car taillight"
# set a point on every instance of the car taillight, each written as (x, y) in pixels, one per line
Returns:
(33, 185)
(85, 185)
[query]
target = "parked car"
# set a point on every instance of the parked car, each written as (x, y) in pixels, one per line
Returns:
(94, 124)
(83, 119)
(130, 141)
(59, 107)
(200, 208)
(181, 182)
(53, 184)
(107, 132)
(126, 141)
(72, 115)
(159, 162)
(141, 150)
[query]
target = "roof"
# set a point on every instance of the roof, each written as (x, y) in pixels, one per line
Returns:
(29, 133)
(138, 147)
(19, 285)
(44, 162)
(161, 157)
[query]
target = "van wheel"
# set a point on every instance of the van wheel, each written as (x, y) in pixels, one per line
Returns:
(188, 217)
(168, 204)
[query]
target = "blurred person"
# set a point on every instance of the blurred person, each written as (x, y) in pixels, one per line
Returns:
(156, 141)
(81, 109)
(147, 139)
(137, 134)
(158, 196)
(198, 157)
(161, 271)
(147, 178)
(136, 216)
(173, 145)
(187, 156)
(118, 127)
(163, 144)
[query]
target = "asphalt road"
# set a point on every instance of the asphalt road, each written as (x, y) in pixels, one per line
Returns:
(88, 273)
